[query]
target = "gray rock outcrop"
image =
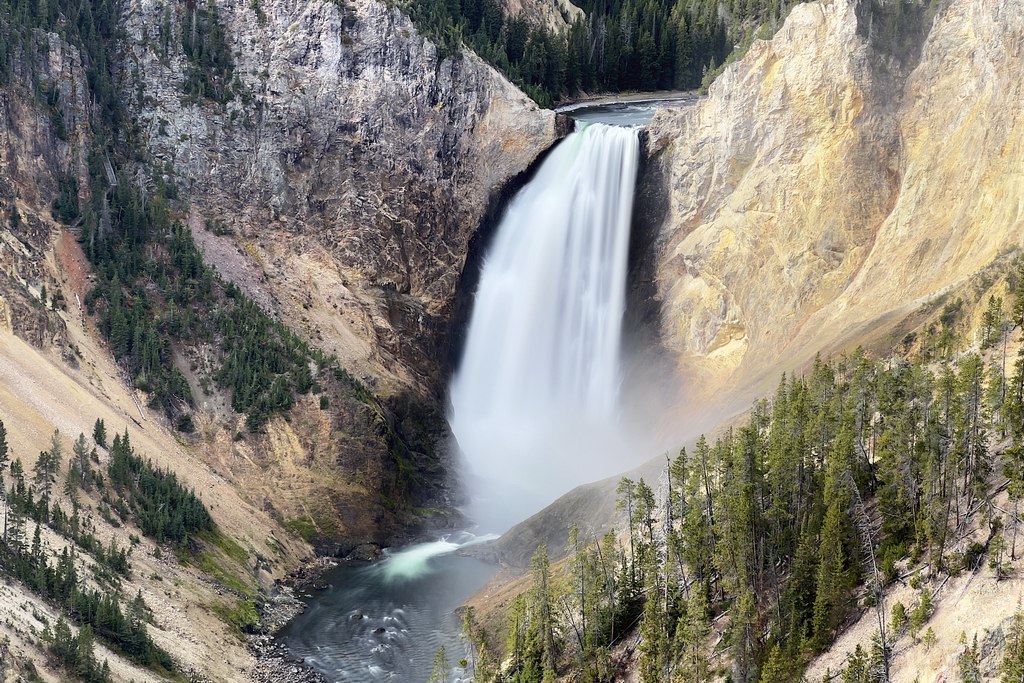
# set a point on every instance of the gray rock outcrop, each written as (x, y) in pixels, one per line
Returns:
(352, 168)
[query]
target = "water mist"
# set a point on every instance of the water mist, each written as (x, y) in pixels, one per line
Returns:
(535, 401)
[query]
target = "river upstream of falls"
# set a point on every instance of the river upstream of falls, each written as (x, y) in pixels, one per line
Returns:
(534, 405)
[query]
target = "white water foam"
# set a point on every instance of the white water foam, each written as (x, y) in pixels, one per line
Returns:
(414, 561)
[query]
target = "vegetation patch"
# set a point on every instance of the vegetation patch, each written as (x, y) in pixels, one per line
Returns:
(787, 526)
(242, 616)
(616, 47)
(163, 508)
(211, 67)
(210, 565)
(311, 528)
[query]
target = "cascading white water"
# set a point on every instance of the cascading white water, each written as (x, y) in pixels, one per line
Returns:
(534, 401)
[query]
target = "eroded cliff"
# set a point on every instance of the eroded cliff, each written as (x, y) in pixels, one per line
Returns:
(42, 156)
(337, 168)
(834, 181)
(352, 167)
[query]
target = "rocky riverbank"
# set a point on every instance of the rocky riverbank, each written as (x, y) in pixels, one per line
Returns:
(274, 664)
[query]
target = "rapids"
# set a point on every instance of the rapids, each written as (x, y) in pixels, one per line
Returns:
(386, 620)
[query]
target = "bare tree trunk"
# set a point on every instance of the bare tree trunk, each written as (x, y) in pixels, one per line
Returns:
(868, 546)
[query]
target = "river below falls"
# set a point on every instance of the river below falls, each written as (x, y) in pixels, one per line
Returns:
(386, 620)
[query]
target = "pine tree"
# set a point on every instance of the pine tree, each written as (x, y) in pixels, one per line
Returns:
(48, 465)
(4, 459)
(899, 617)
(971, 433)
(856, 670)
(515, 642)
(698, 524)
(921, 613)
(37, 561)
(86, 665)
(992, 322)
(836, 542)
(1011, 669)
(72, 482)
(62, 642)
(832, 580)
(579, 577)
(439, 674)
(692, 631)
(1018, 297)
(99, 433)
(625, 492)
(968, 662)
(481, 664)
(775, 669)
(13, 523)
(654, 645)
(80, 464)
(4, 452)
(543, 600)
(744, 639)
(996, 551)
(1013, 400)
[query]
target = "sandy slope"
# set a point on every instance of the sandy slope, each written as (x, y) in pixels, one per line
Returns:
(973, 603)
(39, 393)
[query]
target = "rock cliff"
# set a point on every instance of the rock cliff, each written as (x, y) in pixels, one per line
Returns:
(352, 167)
(56, 374)
(338, 169)
(835, 180)
(42, 154)
(554, 14)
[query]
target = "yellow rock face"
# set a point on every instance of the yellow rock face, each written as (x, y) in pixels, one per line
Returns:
(829, 184)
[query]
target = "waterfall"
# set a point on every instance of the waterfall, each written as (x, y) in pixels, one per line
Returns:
(534, 401)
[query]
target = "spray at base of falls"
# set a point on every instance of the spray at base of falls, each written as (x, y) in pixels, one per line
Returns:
(535, 400)
(414, 561)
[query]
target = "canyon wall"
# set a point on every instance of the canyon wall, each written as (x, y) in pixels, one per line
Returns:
(42, 151)
(834, 181)
(352, 167)
(837, 186)
(340, 183)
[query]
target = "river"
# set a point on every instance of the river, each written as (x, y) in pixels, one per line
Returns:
(386, 620)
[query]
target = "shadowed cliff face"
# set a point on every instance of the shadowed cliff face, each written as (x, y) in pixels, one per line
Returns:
(354, 168)
(833, 181)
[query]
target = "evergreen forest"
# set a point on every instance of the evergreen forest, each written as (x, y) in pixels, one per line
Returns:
(614, 47)
(154, 297)
(69, 567)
